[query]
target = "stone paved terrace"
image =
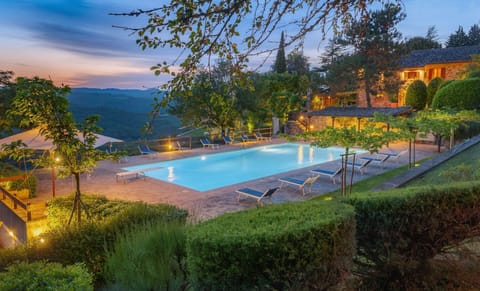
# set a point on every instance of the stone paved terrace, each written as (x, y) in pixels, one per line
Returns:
(202, 205)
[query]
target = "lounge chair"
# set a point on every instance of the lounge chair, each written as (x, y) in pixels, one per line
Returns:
(361, 165)
(227, 139)
(377, 159)
(207, 144)
(178, 146)
(245, 138)
(117, 155)
(249, 192)
(329, 173)
(260, 137)
(394, 156)
(299, 182)
(145, 150)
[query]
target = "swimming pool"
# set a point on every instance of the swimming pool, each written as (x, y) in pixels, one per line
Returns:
(211, 171)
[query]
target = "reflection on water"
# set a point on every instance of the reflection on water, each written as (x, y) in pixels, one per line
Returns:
(171, 175)
(300, 155)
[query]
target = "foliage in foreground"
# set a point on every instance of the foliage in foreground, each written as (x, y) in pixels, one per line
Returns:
(87, 242)
(46, 276)
(401, 233)
(296, 246)
(151, 257)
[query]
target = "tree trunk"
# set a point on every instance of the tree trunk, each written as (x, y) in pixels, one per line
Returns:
(367, 93)
(77, 197)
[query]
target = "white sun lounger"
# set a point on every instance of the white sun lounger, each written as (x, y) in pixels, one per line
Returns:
(258, 195)
(300, 183)
(329, 173)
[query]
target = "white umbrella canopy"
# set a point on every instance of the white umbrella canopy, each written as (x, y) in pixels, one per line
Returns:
(35, 140)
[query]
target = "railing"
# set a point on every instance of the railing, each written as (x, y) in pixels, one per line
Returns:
(16, 202)
(15, 224)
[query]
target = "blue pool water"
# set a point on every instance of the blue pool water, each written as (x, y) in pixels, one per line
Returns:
(213, 171)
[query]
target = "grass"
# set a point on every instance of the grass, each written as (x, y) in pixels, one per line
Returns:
(367, 184)
(469, 158)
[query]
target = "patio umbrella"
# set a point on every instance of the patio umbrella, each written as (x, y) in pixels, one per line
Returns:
(36, 141)
(33, 139)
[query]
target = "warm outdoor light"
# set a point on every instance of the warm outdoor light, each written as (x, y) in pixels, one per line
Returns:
(42, 240)
(10, 233)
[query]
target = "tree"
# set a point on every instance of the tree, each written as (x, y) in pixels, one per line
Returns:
(474, 35)
(432, 88)
(370, 138)
(7, 92)
(443, 123)
(416, 95)
(378, 49)
(234, 30)
(211, 102)
(40, 103)
(280, 65)
(429, 41)
(339, 68)
(459, 38)
(297, 63)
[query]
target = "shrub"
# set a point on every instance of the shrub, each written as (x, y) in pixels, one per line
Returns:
(459, 94)
(87, 242)
(400, 232)
(416, 95)
(432, 88)
(304, 245)
(473, 74)
(45, 276)
(30, 183)
(148, 258)
(445, 83)
(101, 209)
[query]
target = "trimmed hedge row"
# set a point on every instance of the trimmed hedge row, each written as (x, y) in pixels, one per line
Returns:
(46, 276)
(458, 94)
(400, 231)
(304, 245)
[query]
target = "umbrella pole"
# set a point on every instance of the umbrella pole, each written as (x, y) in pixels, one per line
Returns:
(52, 156)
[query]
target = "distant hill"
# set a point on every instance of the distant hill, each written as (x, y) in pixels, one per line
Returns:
(123, 112)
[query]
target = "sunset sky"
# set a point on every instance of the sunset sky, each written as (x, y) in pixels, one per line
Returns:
(73, 41)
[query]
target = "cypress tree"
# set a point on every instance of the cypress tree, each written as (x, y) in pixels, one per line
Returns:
(280, 65)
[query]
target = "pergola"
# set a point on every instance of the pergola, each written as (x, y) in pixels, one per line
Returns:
(357, 112)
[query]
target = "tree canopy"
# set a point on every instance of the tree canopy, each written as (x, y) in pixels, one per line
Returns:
(40, 103)
(280, 65)
(234, 30)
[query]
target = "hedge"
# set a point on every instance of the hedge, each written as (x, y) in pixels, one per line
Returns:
(87, 242)
(46, 276)
(459, 94)
(416, 95)
(399, 232)
(432, 88)
(303, 245)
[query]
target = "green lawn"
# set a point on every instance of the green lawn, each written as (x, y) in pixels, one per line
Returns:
(462, 167)
(470, 158)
